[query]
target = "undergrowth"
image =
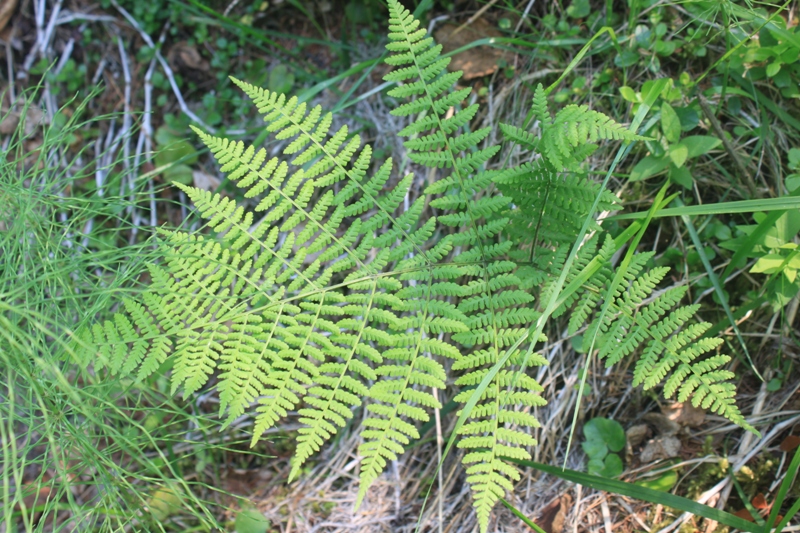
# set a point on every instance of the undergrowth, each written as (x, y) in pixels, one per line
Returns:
(81, 450)
(331, 295)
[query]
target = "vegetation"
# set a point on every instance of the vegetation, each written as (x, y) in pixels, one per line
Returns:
(382, 291)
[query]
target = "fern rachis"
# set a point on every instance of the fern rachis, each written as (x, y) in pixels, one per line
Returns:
(328, 295)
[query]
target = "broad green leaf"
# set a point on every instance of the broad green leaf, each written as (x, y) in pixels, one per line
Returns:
(670, 123)
(164, 502)
(681, 176)
(698, 145)
(177, 152)
(179, 173)
(595, 467)
(665, 48)
(678, 154)
(649, 166)
(251, 521)
(627, 58)
(661, 85)
(769, 264)
(629, 94)
(792, 182)
(794, 158)
(612, 466)
(688, 117)
(773, 69)
(281, 79)
(604, 430)
(664, 482)
(579, 9)
(595, 449)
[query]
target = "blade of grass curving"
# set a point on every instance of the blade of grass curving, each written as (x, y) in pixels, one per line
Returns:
(782, 203)
(528, 522)
(783, 490)
(793, 510)
(712, 276)
(619, 275)
(638, 492)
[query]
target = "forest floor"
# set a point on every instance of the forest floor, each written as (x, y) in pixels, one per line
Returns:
(137, 74)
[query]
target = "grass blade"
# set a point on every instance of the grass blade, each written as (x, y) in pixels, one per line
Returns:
(712, 276)
(528, 522)
(632, 490)
(783, 490)
(609, 298)
(724, 208)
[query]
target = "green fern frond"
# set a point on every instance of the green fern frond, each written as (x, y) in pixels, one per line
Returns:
(318, 293)
(575, 126)
(550, 208)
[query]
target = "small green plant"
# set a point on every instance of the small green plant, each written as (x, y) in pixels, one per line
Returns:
(251, 520)
(771, 241)
(671, 150)
(604, 439)
(773, 57)
(331, 295)
(62, 260)
(174, 155)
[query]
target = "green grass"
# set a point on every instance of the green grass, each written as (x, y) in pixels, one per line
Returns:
(82, 450)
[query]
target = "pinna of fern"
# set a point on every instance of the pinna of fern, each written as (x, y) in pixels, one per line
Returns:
(327, 296)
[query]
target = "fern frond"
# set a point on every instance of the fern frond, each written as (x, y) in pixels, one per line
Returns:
(550, 208)
(317, 293)
(575, 126)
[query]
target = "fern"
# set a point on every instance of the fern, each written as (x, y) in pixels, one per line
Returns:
(319, 294)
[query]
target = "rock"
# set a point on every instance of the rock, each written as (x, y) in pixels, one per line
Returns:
(685, 414)
(478, 61)
(635, 435)
(661, 448)
(663, 425)
(204, 180)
